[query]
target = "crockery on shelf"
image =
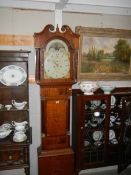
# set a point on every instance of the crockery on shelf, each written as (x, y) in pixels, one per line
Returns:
(112, 134)
(86, 143)
(4, 132)
(96, 102)
(20, 128)
(93, 123)
(111, 124)
(114, 141)
(107, 88)
(113, 100)
(1, 106)
(98, 143)
(88, 87)
(23, 123)
(8, 107)
(6, 125)
(97, 114)
(19, 136)
(19, 105)
(100, 120)
(103, 106)
(12, 75)
(97, 135)
(113, 118)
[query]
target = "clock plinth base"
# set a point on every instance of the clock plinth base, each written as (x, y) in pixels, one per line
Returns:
(56, 162)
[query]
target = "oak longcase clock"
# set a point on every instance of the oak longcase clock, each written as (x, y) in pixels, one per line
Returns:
(56, 60)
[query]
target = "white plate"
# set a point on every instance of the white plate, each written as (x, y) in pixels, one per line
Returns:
(112, 134)
(113, 100)
(12, 75)
(97, 135)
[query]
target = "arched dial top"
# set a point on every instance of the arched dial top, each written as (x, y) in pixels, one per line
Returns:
(56, 60)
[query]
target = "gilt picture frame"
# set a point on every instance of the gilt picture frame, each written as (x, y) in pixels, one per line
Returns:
(104, 54)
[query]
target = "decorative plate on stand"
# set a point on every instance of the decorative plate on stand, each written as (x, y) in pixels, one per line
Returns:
(12, 75)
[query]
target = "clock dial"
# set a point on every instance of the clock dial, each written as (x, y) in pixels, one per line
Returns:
(56, 56)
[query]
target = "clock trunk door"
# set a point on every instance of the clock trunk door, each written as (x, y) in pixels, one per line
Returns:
(56, 122)
(125, 138)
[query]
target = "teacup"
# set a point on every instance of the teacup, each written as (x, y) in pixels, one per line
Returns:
(8, 107)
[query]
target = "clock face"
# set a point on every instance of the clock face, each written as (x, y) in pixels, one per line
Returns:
(56, 60)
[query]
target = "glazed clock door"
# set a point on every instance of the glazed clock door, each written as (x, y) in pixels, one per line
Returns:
(125, 138)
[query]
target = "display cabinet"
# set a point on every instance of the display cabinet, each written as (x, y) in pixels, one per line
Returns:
(15, 130)
(96, 128)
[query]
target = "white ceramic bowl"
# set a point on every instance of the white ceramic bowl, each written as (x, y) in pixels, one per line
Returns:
(88, 87)
(107, 88)
(4, 133)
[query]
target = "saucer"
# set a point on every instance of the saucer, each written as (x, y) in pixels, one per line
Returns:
(19, 139)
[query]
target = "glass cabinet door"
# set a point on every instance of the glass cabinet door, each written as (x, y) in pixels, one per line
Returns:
(93, 129)
(125, 135)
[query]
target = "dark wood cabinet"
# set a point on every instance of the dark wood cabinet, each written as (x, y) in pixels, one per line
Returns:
(14, 110)
(97, 127)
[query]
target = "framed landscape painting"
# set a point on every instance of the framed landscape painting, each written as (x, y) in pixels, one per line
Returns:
(104, 54)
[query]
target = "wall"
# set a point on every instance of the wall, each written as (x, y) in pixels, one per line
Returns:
(27, 22)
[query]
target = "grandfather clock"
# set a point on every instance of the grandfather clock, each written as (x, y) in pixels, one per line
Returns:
(56, 60)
